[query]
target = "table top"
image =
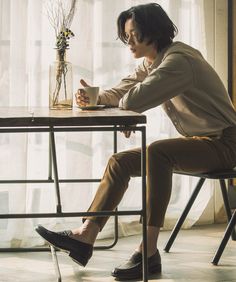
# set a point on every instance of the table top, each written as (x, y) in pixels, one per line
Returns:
(43, 116)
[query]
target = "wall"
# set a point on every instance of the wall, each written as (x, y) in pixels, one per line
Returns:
(234, 53)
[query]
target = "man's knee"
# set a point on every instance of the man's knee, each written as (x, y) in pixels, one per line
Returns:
(159, 151)
(128, 162)
(117, 158)
(118, 161)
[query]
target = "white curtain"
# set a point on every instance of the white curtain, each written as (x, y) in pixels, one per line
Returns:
(26, 50)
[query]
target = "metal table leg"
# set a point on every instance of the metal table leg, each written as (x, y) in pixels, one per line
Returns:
(55, 171)
(144, 217)
(59, 213)
(53, 164)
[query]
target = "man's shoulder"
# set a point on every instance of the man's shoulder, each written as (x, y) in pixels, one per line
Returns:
(181, 48)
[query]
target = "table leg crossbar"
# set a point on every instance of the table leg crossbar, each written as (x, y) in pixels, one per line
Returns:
(59, 213)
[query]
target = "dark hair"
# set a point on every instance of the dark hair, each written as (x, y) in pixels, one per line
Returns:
(151, 23)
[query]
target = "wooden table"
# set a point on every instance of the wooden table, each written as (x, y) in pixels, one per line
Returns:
(23, 116)
(23, 119)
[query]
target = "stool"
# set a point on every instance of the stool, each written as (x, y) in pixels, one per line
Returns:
(221, 176)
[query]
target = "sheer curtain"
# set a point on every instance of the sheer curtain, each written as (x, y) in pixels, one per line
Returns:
(26, 49)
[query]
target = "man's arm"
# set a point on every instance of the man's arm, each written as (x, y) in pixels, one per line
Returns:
(112, 96)
(173, 76)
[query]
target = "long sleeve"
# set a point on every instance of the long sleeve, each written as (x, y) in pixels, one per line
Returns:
(173, 76)
(185, 85)
(112, 96)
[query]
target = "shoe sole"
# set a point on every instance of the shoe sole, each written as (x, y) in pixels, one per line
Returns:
(78, 259)
(152, 270)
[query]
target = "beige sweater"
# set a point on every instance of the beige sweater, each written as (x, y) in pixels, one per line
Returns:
(187, 87)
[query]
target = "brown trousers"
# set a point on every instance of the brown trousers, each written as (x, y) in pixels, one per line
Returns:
(187, 154)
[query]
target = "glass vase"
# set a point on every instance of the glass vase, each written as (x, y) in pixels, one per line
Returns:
(60, 83)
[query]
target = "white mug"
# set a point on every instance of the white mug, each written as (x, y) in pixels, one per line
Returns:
(92, 93)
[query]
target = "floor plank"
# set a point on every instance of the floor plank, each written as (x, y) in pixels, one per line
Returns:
(189, 260)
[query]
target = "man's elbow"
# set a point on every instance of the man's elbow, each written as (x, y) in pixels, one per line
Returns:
(128, 105)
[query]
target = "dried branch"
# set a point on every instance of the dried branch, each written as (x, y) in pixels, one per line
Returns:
(59, 16)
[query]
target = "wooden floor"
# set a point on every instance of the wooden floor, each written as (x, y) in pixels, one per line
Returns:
(189, 260)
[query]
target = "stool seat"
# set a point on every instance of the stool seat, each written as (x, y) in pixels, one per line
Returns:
(222, 174)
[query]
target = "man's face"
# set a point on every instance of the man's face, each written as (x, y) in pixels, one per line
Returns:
(138, 49)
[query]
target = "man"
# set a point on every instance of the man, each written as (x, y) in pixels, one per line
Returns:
(177, 77)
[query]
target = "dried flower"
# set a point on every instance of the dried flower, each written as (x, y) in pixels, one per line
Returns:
(60, 16)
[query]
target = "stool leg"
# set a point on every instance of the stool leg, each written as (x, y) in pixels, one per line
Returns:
(226, 203)
(184, 214)
(225, 239)
(55, 262)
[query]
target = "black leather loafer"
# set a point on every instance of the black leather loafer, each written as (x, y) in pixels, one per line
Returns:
(132, 268)
(80, 252)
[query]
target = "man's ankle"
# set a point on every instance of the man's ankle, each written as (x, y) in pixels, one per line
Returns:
(150, 252)
(87, 233)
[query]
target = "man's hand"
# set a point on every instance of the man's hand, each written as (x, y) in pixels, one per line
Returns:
(80, 96)
(127, 133)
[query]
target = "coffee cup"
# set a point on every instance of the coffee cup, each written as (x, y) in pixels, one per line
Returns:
(92, 93)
